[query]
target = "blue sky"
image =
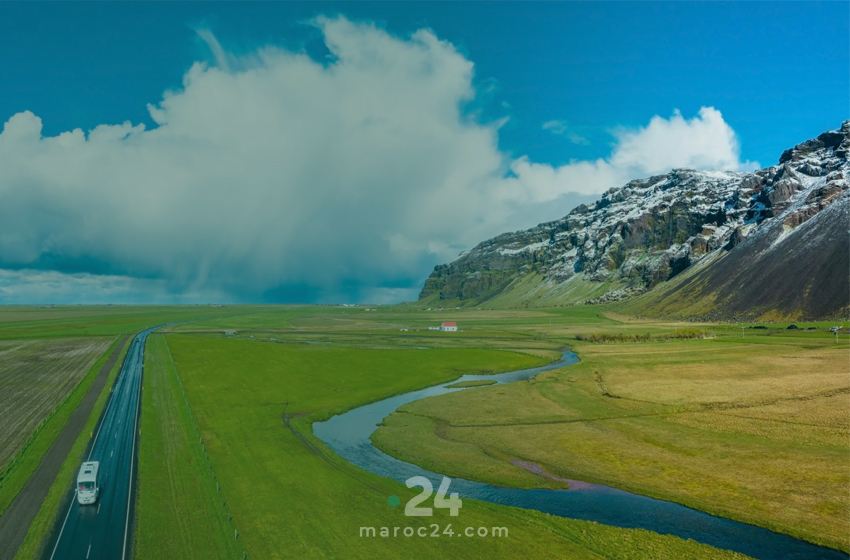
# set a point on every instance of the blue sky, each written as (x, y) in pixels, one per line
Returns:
(777, 72)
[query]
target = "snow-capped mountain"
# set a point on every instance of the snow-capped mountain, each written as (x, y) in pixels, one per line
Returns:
(697, 244)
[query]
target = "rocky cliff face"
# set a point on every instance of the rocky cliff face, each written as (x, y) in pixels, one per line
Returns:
(709, 227)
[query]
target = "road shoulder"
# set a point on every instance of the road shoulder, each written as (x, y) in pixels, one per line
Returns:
(18, 525)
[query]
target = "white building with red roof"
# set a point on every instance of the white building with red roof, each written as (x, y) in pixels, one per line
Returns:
(449, 327)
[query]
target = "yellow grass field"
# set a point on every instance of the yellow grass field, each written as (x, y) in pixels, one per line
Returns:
(753, 431)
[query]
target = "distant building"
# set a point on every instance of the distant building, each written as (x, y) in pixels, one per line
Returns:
(449, 327)
(229, 333)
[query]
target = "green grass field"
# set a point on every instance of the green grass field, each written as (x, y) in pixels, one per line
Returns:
(746, 423)
(295, 500)
(755, 429)
(180, 511)
(53, 329)
(70, 321)
(47, 329)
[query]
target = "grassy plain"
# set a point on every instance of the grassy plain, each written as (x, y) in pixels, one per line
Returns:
(43, 352)
(754, 428)
(292, 497)
(46, 370)
(180, 512)
(19, 323)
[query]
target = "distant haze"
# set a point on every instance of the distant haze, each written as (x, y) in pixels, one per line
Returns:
(274, 177)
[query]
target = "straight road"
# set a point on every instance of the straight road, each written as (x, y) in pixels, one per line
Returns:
(16, 520)
(103, 530)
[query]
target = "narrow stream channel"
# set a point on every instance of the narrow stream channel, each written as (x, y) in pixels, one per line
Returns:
(348, 434)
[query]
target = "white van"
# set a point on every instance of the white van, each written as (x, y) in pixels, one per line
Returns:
(87, 489)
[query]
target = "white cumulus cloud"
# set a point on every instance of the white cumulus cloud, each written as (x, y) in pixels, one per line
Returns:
(278, 177)
(703, 142)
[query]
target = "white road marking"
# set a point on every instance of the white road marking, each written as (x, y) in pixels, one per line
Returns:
(59, 538)
(105, 412)
(132, 461)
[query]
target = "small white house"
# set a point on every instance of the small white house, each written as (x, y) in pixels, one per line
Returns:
(449, 327)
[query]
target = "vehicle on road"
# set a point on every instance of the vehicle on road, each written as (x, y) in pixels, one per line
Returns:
(87, 489)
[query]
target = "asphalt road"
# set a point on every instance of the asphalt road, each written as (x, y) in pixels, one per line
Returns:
(16, 520)
(103, 530)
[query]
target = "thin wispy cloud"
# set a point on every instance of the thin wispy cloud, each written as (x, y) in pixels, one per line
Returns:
(561, 128)
(276, 177)
(215, 48)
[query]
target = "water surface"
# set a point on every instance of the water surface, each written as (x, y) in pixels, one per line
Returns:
(348, 434)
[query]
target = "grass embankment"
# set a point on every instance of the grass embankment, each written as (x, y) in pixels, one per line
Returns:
(293, 500)
(473, 383)
(179, 510)
(26, 459)
(752, 428)
(50, 508)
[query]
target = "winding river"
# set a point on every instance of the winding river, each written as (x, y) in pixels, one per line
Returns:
(348, 434)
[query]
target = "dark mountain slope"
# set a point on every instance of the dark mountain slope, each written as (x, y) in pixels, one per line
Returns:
(774, 243)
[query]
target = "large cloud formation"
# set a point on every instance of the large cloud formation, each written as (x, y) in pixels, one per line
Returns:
(276, 177)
